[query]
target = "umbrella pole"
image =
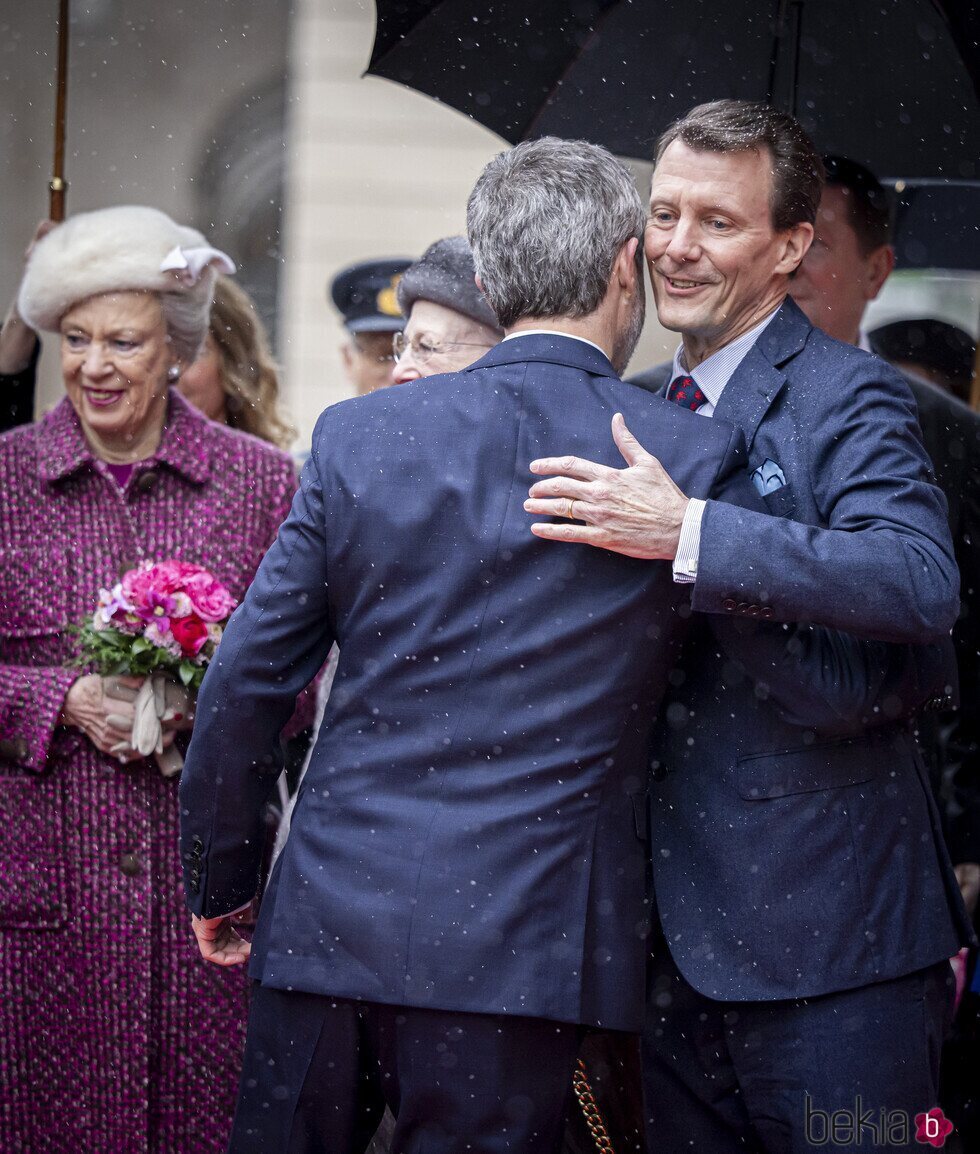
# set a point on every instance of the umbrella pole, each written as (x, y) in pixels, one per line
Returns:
(58, 186)
(975, 387)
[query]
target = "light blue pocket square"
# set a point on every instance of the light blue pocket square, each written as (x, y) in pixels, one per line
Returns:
(768, 477)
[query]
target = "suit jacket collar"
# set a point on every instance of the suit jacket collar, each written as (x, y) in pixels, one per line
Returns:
(555, 349)
(63, 450)
(758, 380)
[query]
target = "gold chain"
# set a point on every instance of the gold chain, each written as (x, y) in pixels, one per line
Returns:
(590, 1109)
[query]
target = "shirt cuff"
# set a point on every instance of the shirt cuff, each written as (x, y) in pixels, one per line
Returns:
(689, 545)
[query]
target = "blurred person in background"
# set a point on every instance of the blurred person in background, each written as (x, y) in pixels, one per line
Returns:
(845, 269)
(19, 352)
(365, 296)
(235, 380)
(936, 350)
(114, 1035)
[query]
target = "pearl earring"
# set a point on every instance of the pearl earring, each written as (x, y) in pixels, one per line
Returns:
(173, 374)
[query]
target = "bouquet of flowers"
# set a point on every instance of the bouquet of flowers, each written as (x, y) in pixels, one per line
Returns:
(162, 621)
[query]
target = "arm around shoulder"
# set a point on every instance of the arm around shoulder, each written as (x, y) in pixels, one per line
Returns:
(878, 559)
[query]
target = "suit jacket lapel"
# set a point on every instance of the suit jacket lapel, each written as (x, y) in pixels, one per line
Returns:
(754, 386)
(759, 379)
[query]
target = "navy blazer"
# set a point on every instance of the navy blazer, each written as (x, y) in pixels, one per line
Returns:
(796, 853)
(468, 835)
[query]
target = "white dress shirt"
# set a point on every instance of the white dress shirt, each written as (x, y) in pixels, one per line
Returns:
(711, 377)
(554, 333)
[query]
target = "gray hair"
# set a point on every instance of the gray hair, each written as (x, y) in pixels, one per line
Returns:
(740, 126)
(546, 221)
(186, 316)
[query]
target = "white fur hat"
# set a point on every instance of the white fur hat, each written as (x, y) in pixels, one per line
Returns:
(131, 247)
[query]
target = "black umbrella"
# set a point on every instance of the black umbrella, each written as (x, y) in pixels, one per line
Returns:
(937, 225)
(891, 83)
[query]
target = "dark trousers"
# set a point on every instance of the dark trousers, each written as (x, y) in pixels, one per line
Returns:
(839, 1071)
(455, 1082)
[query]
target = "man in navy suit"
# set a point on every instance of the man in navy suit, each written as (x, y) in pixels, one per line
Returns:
(463, 887)
(805, 902)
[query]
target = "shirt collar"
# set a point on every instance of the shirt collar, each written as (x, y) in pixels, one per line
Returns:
(555, 333)
(63, 450)
(714, 373)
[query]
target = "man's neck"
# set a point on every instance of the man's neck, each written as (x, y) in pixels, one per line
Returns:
(698, 347)
(590, 328)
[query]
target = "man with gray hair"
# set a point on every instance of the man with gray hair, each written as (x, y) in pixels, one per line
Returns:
(806, 905)
(462, 890)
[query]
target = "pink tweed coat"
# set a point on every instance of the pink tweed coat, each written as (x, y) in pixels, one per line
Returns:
(114, 1034)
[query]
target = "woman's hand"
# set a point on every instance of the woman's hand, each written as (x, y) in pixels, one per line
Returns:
(102, 708)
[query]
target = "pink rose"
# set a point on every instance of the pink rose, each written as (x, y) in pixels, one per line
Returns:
(211, 600)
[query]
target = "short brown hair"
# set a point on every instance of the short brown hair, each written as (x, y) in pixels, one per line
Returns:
(740, 125)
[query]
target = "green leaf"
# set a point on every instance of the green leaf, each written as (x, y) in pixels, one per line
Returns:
(187, 672)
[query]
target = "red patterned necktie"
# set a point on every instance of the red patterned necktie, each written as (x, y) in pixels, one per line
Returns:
(685, 392)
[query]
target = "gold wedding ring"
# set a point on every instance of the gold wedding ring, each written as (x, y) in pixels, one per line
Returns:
(571, 511)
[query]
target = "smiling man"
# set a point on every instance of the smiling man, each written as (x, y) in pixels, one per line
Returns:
(805, 903)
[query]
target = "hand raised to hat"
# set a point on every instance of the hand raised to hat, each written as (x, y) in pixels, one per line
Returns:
(637, 511)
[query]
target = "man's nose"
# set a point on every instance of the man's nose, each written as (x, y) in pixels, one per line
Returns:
(684, 244)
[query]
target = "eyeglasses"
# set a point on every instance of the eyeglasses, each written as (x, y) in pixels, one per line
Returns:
(424, 349)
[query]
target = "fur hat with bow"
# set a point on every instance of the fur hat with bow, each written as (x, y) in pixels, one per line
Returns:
(128, 248)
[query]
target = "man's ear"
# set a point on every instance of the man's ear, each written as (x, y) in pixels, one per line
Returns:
(796, 243)
(879, 265)
(479, 283)
(625, 267)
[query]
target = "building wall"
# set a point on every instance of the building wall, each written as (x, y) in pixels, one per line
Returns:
(375, 170)
(154, 90)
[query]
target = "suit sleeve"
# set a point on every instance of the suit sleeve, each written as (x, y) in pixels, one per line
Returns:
(836, 684)
(822, 678)
(880, 565)
(273, 646)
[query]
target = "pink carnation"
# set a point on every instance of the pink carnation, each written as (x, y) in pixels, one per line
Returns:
(211, 600)
(208, 597)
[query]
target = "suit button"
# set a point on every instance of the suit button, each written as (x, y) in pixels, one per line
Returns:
(766, 612)
(146, 481)
(742, 607)
(130, 864)
(728, 605)
(14, 748)
(752, 611)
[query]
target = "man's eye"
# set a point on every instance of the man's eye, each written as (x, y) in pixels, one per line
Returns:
(661, 217)
(718, 225)
(429, 348)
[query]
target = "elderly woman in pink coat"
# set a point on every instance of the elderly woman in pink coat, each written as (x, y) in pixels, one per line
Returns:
(114, 1034)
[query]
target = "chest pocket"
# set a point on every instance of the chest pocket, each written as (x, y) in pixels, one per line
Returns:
(780, 502)
(33, 592)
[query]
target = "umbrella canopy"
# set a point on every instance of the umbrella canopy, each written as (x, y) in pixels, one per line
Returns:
(937, 225)
(886, 82)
